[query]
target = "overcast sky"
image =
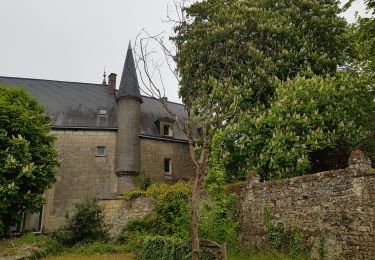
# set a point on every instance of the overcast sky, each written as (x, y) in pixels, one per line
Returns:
(72, 40)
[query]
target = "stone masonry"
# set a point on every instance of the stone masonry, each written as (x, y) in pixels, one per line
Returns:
(153, 153)
(338, 205)
(82, 173)
(117, 212)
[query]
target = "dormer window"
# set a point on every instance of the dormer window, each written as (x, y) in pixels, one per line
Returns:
(103, 112)
(167, 130)
(165, 126)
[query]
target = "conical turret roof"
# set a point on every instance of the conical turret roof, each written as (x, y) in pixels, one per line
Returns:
(129, 86)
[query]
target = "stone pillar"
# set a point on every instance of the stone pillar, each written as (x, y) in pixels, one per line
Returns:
(359, 160)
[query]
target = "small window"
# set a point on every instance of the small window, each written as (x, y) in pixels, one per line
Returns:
(103, 112)
(100, 151)
(166, 130)
(167, 166)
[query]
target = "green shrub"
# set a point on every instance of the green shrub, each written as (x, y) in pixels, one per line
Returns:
(165, 248)
(85, 225)
(217, 220)
(282, 239)
(173, 215)
(143, 224)
(142, 182)
(132, 240)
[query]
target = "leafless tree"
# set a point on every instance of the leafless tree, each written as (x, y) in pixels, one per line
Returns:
(209, 117)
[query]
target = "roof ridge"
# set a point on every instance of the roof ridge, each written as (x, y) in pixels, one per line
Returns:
(176, 103)
(74, 82)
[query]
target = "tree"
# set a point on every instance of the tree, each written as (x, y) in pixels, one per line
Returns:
(306, 117)
(363, 36)
(252, 43)
(27, 154)
(229, 54)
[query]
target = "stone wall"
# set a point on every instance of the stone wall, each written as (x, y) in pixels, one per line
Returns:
(82, 174)
(337, 205)
(117, 212)
(153, 153)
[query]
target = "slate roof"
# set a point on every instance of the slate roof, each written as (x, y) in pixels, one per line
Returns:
(129, 83)
(76, 105)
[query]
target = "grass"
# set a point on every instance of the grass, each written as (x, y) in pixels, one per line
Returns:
(24, 245)
(118, 256)
(30, 244)
(97, 248)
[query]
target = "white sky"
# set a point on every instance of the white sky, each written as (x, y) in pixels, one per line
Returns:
(72, 40)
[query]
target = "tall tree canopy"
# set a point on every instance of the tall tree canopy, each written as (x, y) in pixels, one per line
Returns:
(259, 47)
(27, 154)
(254, 42)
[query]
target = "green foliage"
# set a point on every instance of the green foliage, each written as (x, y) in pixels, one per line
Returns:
(282, 239)
(27, 154)
(230, 54)
(322, 250)
(251, 42)
(363, 37)
(171, 215)
(217, 213)
(307, 115)
(131, 195)
(142, 182)
(24, 244)
(158, 191)
(166, 248)
(97, 248)
(85, 225)
(218, 222)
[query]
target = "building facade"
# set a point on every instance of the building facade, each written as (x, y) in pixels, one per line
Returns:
(105, 137)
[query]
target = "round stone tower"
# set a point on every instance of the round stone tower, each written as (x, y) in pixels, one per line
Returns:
(129, 102)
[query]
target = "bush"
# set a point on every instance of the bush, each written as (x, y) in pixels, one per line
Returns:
(282, 239)
(158, 191)
(142, 182)
(84, 226)
(171, 215)
(217, 220)
(166, 248)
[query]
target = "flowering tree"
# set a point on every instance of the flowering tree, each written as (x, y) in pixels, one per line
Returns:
(27, 155)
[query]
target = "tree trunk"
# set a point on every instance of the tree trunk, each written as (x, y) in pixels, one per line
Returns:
(195, 215)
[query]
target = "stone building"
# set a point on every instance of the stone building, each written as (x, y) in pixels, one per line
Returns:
(105, 137)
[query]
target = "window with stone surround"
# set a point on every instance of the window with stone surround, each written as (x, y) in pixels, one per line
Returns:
(165, 126)
(167, 166)
(100, 151)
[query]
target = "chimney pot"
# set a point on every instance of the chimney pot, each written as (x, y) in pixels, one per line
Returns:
(112, 83)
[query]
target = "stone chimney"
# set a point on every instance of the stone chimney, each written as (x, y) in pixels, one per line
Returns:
(112, 83)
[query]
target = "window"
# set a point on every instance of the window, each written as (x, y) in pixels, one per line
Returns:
(100, 151)
(166, 129)
(167, 166)
(103, 112)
